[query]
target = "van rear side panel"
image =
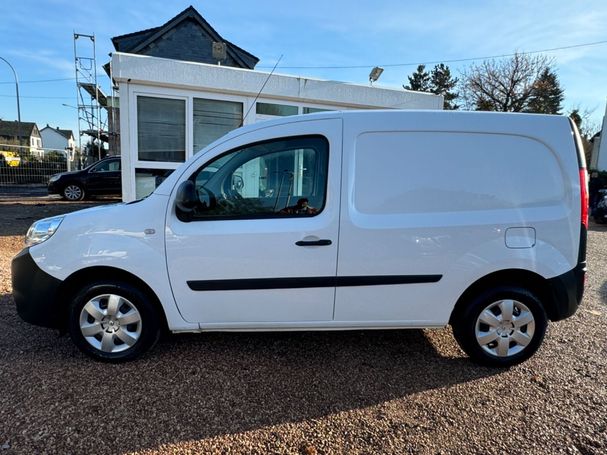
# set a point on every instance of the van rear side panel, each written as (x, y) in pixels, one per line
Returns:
(455, 201)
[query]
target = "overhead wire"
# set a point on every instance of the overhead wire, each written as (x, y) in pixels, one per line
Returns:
(385, 65)
(458, 60)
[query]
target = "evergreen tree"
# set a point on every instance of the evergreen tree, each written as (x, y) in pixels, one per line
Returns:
(547, 94)
(442, 83)
(419, 81)
(576, 117)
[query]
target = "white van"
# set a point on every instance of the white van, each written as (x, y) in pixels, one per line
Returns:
(331, 221)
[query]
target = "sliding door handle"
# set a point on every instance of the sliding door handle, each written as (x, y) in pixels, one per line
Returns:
(321, 242)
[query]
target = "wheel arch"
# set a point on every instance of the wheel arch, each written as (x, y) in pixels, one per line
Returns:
(73, 181)
(76, 280)
(525, 279)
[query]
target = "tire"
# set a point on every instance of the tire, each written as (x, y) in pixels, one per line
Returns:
(73, 192)
(113, 322)
(501, 327)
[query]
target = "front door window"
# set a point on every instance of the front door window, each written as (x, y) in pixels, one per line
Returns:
(284, 177)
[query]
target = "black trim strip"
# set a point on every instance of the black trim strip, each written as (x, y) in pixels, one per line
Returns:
(309, 282)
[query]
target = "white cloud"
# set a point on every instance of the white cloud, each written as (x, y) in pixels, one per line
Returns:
(51, 60)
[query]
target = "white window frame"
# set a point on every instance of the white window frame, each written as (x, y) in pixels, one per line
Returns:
(137, 163)
(130, 147)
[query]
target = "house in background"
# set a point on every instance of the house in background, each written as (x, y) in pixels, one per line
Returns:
(58, 139)
(182, 86)
(189, 37)
(25, 134)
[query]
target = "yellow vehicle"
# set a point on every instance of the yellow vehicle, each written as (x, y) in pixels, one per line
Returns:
(12, 159)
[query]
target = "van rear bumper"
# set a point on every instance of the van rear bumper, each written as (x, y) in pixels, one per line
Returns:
(35, 292)
(567, 291)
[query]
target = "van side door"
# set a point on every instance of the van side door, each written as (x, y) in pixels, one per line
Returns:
(260, 247)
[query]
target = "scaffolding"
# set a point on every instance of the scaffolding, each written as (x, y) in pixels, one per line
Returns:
(92, 103)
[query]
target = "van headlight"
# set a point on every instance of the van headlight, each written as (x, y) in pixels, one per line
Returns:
(42, 230)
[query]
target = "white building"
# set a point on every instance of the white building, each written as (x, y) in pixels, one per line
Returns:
(57, 139)
(171, 109)
(598, 161)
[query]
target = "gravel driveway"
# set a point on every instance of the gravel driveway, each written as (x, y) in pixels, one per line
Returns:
(342, 392)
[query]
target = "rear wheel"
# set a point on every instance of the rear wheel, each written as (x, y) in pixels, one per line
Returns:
(73, 192)
(501, 326)
(113, 322)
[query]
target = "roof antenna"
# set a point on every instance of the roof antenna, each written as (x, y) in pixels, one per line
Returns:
(261, 90)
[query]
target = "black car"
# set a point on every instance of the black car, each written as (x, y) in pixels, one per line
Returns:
(600, 209)
(102, 177)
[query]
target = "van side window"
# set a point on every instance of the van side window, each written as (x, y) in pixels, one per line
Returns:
(279, 178)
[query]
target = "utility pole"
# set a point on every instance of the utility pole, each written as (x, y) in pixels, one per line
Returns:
(18, 106)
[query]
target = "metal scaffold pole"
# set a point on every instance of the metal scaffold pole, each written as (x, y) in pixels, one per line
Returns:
(92, 104)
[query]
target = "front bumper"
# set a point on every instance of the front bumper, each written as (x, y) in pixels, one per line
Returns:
(53, 187)
(35, 292)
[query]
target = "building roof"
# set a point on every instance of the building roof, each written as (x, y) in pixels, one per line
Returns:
(140, 42)
(161, 72)
(68, 134)
(12, 128)
(127, 42)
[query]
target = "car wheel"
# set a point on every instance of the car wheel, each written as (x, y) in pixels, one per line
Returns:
(113, 322)
(501, 327)
(73, 192)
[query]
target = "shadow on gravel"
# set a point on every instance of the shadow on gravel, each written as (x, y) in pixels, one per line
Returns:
(603, 293)
(597, 227)
(192, 387)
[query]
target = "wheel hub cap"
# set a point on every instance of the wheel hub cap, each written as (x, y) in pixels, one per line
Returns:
(110, 323)
(505, 328)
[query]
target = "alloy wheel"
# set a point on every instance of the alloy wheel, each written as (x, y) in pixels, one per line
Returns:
(72, 192)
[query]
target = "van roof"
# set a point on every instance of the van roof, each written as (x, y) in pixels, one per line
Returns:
(483, 119)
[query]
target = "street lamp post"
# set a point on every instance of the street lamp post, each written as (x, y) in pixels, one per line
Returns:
(18, 106)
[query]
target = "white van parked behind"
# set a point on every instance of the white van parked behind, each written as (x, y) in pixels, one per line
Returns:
(331, 221)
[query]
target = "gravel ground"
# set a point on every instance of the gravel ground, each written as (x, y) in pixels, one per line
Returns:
(312, 393)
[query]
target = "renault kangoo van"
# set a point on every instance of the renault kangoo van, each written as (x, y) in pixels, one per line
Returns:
(331, 221)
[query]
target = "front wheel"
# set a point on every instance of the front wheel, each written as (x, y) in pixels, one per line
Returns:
(73, 192)
(113, 322)
(501, 327)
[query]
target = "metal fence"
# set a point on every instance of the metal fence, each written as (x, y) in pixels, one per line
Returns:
(28, 166)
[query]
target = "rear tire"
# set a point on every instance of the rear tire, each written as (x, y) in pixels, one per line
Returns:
(501, 327)
(113, 322)
(73, 192)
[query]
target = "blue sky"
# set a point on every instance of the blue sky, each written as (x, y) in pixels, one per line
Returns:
(36, 37)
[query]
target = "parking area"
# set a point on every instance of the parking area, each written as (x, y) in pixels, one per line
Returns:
(311, 393)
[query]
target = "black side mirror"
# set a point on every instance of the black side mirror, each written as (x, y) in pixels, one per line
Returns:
(185, 200)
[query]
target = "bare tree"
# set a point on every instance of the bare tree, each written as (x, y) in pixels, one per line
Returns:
(503, 85)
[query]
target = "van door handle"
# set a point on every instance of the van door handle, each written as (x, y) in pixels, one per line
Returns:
(321, 242)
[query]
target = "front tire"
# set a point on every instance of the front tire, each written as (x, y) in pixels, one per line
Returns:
(501, 327)
(73, 192)
(113, 322)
